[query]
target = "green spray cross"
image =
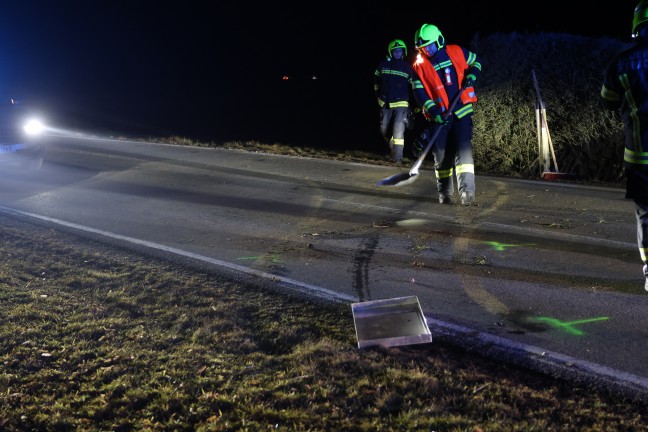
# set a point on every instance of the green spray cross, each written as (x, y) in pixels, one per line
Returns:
(502, 246)
(568, 326)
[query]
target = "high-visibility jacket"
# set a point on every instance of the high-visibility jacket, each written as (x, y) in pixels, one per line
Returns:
(624, 89)
(441, 76)
(393, 80)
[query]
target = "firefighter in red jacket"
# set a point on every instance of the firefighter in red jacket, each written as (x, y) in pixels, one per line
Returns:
(442, 70)
(393, 88)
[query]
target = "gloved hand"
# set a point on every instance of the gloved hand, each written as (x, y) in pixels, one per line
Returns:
(433, 114)
(469, 81)
(440, 120)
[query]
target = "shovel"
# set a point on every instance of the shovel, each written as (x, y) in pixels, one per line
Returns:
(405, 178)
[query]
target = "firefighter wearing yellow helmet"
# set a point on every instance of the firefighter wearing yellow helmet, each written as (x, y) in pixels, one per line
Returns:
(640, 17)
(393, 79)
(442, 71)
(624, 90)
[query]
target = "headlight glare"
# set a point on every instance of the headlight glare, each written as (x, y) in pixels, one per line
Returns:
(33, 127)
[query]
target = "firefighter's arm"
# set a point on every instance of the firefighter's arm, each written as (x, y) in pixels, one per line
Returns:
(376, 87)
(474, 69)
(421, 97)
(611, 90)
(610, 98)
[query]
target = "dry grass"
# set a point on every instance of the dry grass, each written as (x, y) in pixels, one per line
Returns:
(588, 139)
(96, 338)
(359, 156)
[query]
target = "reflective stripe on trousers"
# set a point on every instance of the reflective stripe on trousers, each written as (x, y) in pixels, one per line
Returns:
(452, 153)
(392, 125)
(641, 213)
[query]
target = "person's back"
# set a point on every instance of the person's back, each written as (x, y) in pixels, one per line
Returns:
(625, 88)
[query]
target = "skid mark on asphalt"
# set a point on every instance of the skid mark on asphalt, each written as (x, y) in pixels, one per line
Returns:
(363, 255)
(362, 265)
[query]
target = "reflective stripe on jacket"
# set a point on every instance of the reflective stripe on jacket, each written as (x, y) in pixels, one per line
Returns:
(393, 82)
(624, 89)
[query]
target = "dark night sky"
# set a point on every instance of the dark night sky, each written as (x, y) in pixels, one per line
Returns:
(212, 70)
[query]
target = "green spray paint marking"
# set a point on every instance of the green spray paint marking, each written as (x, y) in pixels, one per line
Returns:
(501, 246)
(568, 326)
(274, 258)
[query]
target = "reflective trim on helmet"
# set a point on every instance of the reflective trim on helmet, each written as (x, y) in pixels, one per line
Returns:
(395, 44)
(428, 34)
(640, 16)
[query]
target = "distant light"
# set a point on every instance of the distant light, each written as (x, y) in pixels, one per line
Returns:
(33, 127)
(314, 77)
(285, 77)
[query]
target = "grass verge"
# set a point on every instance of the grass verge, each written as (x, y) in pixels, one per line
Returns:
(96, 338)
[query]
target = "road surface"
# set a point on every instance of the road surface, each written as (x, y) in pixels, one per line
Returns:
(544, 274)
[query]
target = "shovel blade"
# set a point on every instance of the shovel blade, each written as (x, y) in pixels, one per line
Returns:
(397, 180)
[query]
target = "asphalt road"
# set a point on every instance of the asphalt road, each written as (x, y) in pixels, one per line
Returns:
(544, 274)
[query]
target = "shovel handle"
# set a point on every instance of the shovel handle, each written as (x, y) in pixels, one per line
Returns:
(428, 147)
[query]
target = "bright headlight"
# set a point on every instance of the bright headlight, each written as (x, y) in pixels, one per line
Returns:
(33, 127)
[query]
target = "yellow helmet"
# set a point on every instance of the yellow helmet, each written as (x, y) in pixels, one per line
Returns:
(428, 34)
(640, 16)
(396, 43)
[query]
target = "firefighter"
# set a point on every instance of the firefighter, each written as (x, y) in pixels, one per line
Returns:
(625, 88)
(442, 70)
(393, 88)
